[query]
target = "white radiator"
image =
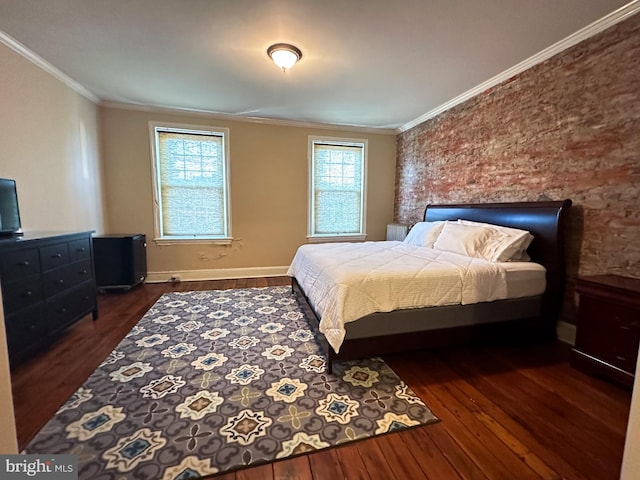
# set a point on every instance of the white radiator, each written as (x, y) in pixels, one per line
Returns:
(397, 231)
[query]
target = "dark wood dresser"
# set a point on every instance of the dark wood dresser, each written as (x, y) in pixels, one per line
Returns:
(608, 327)
(48, 284)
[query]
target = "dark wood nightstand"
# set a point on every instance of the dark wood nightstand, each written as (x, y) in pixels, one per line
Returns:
(608, 327)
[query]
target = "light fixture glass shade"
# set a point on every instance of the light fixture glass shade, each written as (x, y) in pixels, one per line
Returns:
(284, 55)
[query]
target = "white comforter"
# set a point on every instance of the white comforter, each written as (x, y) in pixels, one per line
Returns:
(346, 281)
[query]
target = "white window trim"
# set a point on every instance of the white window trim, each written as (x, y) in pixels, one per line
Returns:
(188, 128)
(347, 237)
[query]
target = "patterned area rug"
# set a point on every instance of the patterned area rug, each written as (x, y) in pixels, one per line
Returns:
(209, 382)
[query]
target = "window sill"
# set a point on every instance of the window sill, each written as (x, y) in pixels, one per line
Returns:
(336, 238)
(193, 241)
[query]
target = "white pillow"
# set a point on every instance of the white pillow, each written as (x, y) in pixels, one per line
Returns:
(469, 240)
(507, 244)
(424, 234)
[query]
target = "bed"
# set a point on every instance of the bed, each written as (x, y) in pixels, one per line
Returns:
(530, 313)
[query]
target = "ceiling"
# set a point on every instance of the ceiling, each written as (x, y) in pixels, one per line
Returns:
(367, 63)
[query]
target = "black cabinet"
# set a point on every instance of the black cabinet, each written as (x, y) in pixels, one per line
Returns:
(120, 261)
(48, 284)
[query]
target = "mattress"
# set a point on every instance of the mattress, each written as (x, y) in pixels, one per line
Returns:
(524, 279)
(346, 281)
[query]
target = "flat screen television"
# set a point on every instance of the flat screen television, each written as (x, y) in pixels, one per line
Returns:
(9, 211)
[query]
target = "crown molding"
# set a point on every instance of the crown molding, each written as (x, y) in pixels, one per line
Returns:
(38, 61)
(598, 26)
(247, 119)
(590, 30)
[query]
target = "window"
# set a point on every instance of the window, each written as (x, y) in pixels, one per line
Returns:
(337, 189)
(191, 183)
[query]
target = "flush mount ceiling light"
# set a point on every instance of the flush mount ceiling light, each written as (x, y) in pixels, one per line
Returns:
(284, 55)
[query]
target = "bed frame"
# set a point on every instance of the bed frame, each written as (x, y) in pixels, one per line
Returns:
(531, 317)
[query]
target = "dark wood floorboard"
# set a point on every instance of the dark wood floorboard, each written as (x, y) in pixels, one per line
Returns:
(508, 411)
(326, 464)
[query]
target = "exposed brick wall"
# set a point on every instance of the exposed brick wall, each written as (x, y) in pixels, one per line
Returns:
(566, 128)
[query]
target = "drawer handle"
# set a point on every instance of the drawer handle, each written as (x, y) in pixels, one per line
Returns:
(57, 255)
(24, 264)
(31, 328)
(624, 327)
(61, 282)
(63, 310)
(82, 249)
(620, 357)
(28, 293)
(83, 272)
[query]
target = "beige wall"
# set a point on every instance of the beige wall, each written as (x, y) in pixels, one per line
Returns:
(49, 145)
(268, 191)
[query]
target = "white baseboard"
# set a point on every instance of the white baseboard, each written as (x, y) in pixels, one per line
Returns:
(566, 332)
(215, 274)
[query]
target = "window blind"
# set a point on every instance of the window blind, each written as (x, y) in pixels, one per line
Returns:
(192, 184)
(337, 189)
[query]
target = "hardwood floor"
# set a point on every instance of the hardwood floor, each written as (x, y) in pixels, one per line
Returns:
(507, 412)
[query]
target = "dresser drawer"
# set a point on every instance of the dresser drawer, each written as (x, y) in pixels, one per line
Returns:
(21, 294)
(614, 341)
(19, 264)
(66, 308)
(53, 256)
(80, 250)
(61, 279)
(25, 328)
